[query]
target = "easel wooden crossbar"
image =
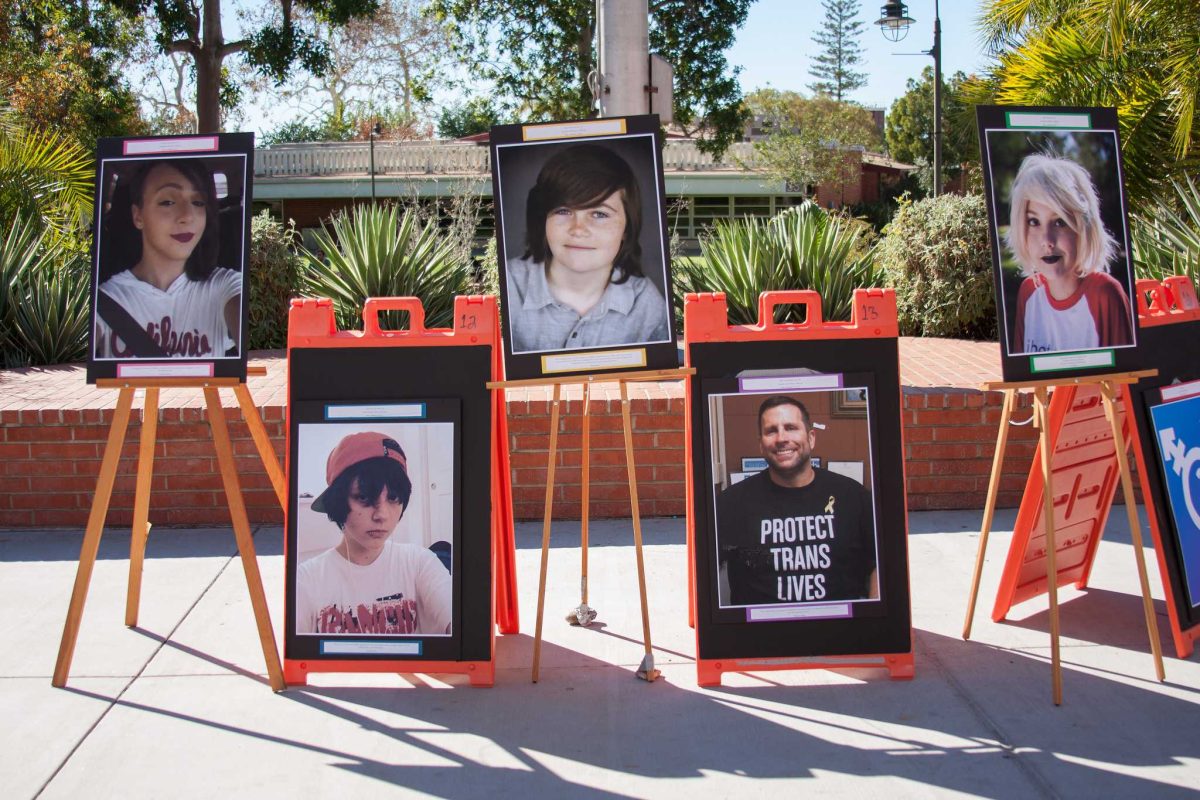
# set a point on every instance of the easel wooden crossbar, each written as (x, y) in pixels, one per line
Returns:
(141, 503)
(1109, 386)
(583, 613)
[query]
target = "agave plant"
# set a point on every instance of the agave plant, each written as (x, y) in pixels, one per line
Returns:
(43, 298)
(1167, 240)
(376, 251)
(801, 248)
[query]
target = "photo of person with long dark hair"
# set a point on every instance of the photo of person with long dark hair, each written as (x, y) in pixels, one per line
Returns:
(1068, 300)
(168, 298)
(580, 281)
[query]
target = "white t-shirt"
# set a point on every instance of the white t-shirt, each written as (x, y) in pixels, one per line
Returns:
(187, 320)
(406, 590)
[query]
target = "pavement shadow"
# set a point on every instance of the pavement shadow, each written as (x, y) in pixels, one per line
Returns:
(986, 728)
(33, 545)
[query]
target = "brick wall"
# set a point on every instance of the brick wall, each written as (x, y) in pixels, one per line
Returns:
(50, 459)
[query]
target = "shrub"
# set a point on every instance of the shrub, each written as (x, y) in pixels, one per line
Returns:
(274, 278)
(936, 255)
(376, 251)
(1167, 240)
(43, 298)
(802, 248)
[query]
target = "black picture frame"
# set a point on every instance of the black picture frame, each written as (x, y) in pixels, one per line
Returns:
(361, 387)
(179, 331)
(519, 154)
(1094, 329)
(872, 626)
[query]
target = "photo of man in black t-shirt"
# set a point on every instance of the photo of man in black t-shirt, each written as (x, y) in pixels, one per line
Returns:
(794, 533)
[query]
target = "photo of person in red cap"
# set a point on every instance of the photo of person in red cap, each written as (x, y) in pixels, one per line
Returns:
(369, 584)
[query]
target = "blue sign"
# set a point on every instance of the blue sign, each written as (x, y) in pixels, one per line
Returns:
(1177, 433)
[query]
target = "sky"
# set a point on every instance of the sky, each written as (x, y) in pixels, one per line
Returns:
(775, 46)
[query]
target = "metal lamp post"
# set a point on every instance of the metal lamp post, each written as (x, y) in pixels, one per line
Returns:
(894, 24)
(376, 130)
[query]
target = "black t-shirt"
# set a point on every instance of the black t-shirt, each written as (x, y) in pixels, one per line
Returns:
(796, 545)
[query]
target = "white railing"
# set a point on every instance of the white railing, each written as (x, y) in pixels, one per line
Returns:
(449, 158)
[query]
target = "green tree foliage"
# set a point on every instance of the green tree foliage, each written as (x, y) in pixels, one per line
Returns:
(910, 127)
(59, 67)
(283, 41)
(538, 55)
(1137, 55)
(840, 52)
(45, 179)
(476, 115)
(935, 254)
(808, 139)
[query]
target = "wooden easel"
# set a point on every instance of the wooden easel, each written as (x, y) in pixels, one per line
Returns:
(141, 504)
(1109, 387)
(647, 670)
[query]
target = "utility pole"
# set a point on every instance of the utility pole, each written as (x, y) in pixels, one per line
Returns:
(624, 31)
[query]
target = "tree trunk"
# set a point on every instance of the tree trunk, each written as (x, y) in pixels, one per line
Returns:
(208, 70)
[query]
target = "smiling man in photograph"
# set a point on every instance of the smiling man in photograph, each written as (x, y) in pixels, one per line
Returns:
(794, 533)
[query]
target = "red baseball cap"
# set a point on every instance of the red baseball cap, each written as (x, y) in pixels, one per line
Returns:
(355, 448)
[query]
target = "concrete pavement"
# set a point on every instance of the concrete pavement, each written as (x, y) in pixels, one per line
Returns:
(180, 706)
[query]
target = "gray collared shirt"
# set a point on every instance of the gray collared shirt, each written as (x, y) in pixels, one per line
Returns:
(633, 312)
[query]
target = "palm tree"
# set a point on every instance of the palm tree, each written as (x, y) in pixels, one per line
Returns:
(44, 177)
(1136, 55)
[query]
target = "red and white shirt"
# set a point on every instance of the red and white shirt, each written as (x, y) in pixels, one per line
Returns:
(1096, 315)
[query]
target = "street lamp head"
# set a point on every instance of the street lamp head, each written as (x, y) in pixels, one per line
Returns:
(894, 21)
(377, 130)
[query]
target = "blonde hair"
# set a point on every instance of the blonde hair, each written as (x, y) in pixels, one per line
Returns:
(1067, 188)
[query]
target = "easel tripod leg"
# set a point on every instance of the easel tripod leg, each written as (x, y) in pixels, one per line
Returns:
(646, 670)
(585, 477)
(258, 432)
(91, 537)
(1040, 404)
(989, 509)
(241, 531)
(1109, 391)
(141, 505)
(541, 607)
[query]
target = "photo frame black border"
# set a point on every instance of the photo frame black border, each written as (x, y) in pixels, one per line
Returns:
(526, 365)
(883, 627)
(1016, 368)
(1174, 364)
(111, 148)
(714, 387)
(370, 375)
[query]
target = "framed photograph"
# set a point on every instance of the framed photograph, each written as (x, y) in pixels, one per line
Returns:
(1177, 439)
(793, 540)
(1060, 240)
(169, 257)
(373, 536)
(585, 277)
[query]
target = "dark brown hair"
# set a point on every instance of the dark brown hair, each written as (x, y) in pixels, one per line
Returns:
(782, 400)
(203, 260)
(372, 475)
(578, 177)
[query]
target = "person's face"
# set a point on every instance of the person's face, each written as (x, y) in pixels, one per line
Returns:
(172, 215)
(785, 441)
(1049, 240)
(586, 239)
(371, 519)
